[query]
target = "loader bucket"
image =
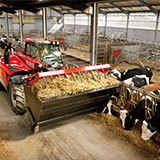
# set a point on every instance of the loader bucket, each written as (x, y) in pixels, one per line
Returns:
(44, 112)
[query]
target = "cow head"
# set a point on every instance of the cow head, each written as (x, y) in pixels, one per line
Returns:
(147, 131)
(150, 127)
(122, 116)
(115, 73)
(150, 73)
(127, 119)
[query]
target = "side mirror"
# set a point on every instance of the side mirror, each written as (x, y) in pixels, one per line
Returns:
(6, 57)
(6, 54)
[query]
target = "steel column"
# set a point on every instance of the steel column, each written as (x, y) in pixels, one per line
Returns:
(44, 22)
(63, 28)
(20, 26)
(156, 29)
(127, 25)
(74, 23)
(7, 24)
(105, 30)
(94, 34)
(88, 24)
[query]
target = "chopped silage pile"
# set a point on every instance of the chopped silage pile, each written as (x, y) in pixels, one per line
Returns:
(72, 84)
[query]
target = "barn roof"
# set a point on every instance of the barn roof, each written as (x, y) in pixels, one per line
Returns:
(82, 6)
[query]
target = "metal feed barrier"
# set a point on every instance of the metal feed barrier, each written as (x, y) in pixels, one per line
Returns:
(134, 97)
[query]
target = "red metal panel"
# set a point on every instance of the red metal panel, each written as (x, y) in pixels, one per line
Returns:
(116, 53)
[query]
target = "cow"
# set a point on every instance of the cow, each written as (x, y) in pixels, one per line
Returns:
(138, 111)
(129, 73)
(151, 126)
(137, 77)
(137, 71)
(137, 81)
(131, 113)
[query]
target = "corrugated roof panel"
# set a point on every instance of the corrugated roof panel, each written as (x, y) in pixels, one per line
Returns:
(136, 9)
(153, 1)
(65, 7)
(74, 11)
(57, 7)
(128, 3)
(65, 12)
(105, 5)
(144, 8)
(128, 8)
(110, 9)
(157, 7)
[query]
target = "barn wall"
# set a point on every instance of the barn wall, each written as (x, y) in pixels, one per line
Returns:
(142, 34)
(3, 25)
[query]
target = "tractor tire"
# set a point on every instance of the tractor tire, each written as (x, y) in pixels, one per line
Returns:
(17, 97)
(2, 87)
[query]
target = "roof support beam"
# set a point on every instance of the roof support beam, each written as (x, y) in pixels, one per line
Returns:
(149, 6)
(7, 10)
(119, 7)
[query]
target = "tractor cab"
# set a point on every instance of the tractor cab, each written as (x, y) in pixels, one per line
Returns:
(45, 51)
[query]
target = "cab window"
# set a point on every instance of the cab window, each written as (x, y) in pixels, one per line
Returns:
(32, 50)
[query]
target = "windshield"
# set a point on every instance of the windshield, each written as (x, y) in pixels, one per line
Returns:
(47, 49)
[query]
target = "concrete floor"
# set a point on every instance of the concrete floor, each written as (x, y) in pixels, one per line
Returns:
(80, 138)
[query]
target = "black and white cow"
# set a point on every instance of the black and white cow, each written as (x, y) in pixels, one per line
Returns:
(138, 112)
(136, 80)
(137, 71)
(151, 126)
(129, 73)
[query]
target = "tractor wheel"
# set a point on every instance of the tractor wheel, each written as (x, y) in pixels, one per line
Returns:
(17, 98)
(1, 87)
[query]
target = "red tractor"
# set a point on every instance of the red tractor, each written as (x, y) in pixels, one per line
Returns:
(38, 55)
(21, 69)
